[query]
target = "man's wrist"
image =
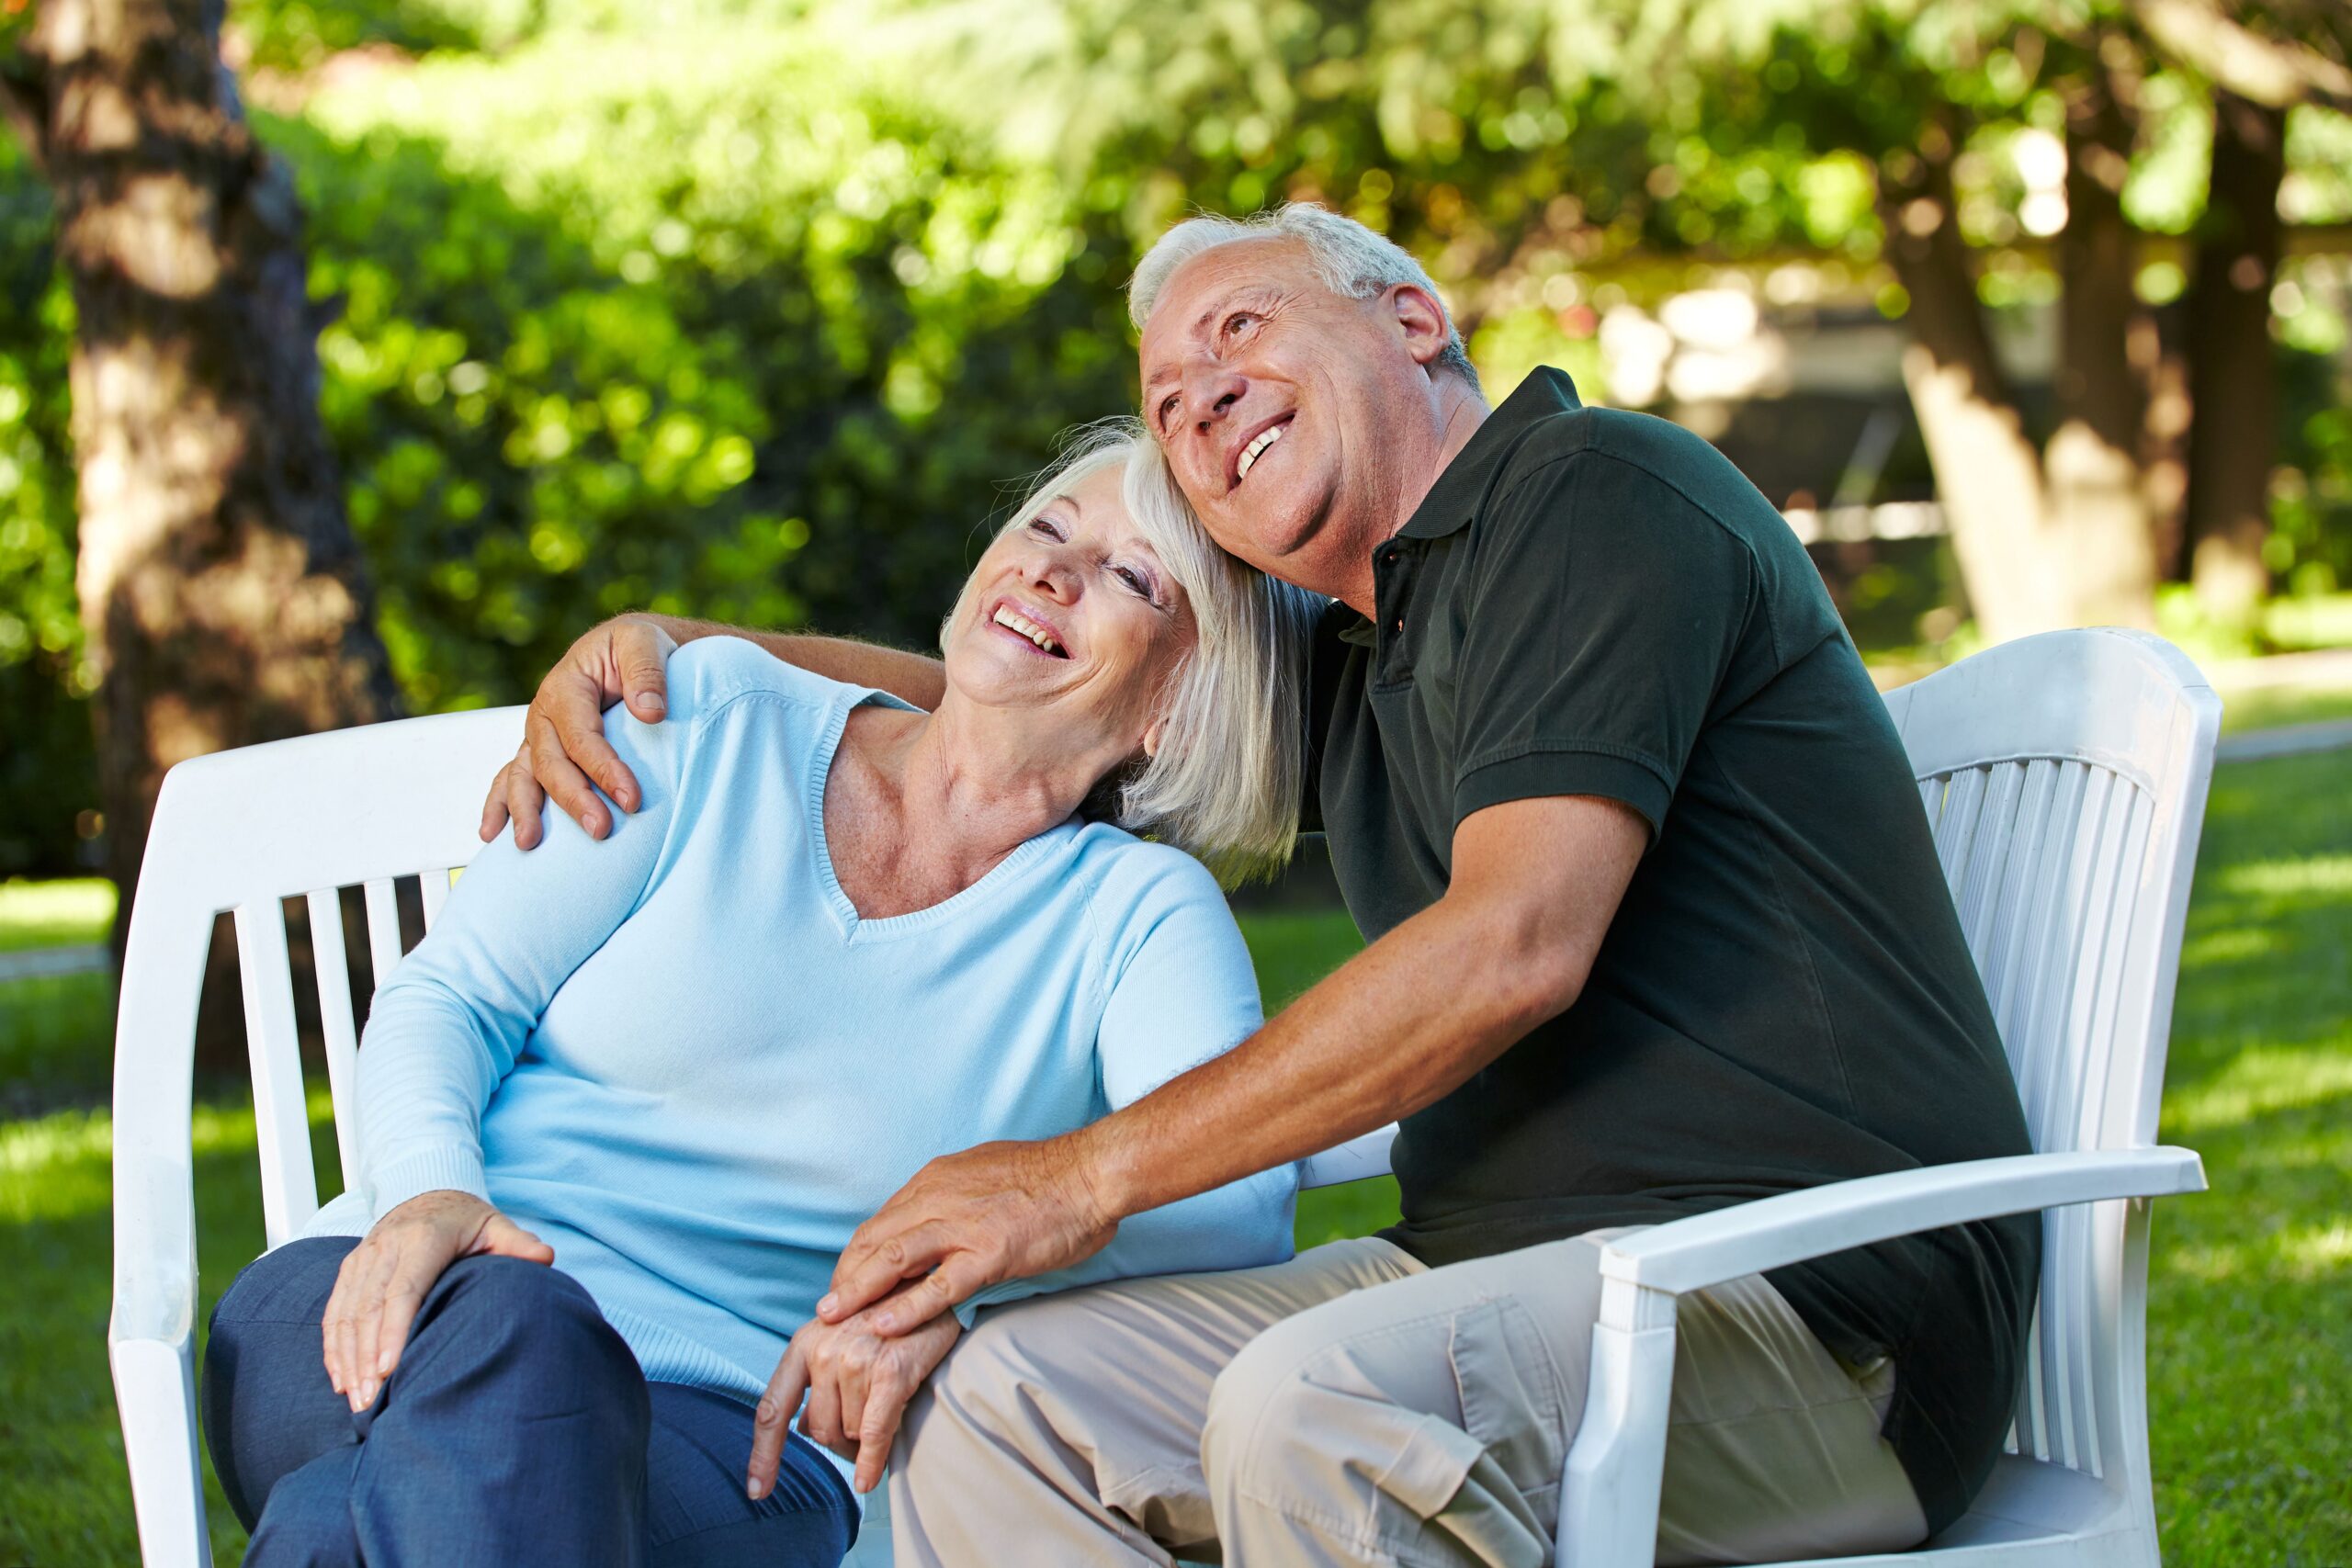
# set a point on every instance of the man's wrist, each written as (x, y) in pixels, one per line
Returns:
(1106, 1172)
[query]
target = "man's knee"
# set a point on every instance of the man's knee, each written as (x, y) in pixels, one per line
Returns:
(982, 1379)
(1260, 1396)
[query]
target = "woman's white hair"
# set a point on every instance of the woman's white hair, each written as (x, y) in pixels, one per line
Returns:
(1352, 259)
(1224, 784)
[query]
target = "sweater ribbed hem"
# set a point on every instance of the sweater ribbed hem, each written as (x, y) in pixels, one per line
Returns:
(446, 1168)
(666, 1356)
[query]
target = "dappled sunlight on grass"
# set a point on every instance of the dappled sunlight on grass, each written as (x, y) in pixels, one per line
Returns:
(55, 914)
(2259, 1080)
(63, 1497)
(2320, 876)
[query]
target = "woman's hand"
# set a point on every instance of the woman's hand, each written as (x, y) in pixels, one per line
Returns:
(384, 1279)
(621, 659)
(858, 1384)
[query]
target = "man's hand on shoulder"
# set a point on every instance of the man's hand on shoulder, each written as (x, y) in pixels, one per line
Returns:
(564, 752)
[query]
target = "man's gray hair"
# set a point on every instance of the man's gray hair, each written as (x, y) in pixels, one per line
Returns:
(1352, 261)
(1225, 783)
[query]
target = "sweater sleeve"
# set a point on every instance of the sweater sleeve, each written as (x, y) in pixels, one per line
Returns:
(1183, 992)
(446, 1027)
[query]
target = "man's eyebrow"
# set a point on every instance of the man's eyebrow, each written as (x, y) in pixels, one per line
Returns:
(1200, 324)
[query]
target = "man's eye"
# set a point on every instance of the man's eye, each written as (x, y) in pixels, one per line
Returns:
(1167, 407)
(1236, 321)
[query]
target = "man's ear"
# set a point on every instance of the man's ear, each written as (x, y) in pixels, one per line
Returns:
(1421, 319)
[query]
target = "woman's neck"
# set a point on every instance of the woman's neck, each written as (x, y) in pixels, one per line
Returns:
(933, 801)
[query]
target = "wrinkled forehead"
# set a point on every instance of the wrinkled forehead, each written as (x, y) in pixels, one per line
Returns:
(1211, 282)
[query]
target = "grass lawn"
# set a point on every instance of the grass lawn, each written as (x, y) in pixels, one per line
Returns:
(2250, 1343)
(66, 913)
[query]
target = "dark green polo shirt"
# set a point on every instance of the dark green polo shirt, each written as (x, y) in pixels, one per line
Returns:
(1591, 602)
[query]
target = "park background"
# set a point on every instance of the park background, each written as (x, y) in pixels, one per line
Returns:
(356, 355)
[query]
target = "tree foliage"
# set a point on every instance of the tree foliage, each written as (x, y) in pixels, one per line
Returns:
(755, 310)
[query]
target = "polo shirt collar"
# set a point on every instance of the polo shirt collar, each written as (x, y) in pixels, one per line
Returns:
(1454, 500)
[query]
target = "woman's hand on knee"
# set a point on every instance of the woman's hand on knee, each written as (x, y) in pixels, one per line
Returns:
(857, 1384)
(384, 1280)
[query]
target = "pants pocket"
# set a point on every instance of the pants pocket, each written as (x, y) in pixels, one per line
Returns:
(1511, 1392)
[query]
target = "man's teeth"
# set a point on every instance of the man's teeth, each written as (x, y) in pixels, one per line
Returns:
(1249, 453)
(1008, 616)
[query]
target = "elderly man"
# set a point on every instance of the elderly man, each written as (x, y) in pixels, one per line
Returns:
(1656, 927)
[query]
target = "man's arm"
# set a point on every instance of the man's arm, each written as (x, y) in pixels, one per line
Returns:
(1535, 884)
(564, 749)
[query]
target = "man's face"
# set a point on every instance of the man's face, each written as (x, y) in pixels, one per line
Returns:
(1284, 409)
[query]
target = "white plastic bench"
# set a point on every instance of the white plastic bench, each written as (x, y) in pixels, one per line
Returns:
(2065, 776)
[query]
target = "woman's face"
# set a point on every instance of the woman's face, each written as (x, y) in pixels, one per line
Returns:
(1074, 612)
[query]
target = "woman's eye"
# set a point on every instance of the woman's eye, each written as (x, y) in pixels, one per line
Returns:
(1044, 529)
(1134, 580)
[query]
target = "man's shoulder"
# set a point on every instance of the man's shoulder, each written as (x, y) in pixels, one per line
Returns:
(1645, 452)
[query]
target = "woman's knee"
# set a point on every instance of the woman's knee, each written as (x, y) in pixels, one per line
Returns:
(523, 1308)
(266, 1405)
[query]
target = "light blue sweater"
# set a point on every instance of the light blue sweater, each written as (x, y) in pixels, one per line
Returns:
(683, 1059)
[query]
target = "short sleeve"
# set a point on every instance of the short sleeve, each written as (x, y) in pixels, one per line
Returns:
(1605, 611)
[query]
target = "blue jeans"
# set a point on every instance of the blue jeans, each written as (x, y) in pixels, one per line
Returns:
(517, 1429)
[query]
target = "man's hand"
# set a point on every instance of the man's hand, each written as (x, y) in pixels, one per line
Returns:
(619, 660)
(384, 1280)
(1002, 1211)
(857, 1384)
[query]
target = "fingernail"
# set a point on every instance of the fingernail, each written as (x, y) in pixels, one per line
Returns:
(752, 1490)
(651, 703)
(828, 1302)
(383, 1363)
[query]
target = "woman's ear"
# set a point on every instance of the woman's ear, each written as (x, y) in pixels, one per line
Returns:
(1153, 734)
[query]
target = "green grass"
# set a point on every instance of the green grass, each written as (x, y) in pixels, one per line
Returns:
(54, 914)
(2249, 1347)
(2272, 707)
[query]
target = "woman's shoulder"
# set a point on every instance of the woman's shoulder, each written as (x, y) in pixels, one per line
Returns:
(1140, 879)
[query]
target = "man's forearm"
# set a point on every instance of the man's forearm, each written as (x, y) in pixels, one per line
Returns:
(910, 677)
(1377, 1039)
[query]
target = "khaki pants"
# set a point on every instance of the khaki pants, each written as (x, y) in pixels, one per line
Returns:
(1353, 1406)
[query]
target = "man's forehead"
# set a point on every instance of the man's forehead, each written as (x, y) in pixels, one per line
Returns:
(1205, 284)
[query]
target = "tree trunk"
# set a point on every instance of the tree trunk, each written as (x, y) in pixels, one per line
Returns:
(1987, 472)
(2098, 498)
(222, 593)
(2232, 440)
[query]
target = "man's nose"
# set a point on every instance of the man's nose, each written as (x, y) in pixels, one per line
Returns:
(1210, 392)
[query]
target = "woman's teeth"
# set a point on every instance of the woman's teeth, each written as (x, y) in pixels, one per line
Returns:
(1250, 452)
(1006, 616)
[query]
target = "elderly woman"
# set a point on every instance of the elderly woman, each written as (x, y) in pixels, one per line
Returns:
(627, 1102)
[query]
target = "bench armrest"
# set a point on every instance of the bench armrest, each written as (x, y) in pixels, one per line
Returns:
(1773, 1233)
(1352, 1161)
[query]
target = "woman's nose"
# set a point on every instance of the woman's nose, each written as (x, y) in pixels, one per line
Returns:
(1050, 574)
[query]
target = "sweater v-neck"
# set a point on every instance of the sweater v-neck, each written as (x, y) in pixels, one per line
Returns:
(856, 926)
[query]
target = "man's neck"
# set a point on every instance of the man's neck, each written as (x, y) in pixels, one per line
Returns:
(1460, 410)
